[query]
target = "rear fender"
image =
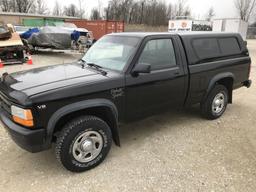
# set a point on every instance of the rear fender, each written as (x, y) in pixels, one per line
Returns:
(217, 78)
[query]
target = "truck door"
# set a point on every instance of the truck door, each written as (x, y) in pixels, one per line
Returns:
(161, 89)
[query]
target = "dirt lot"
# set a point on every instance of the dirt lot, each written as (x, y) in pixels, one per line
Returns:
(170, 152)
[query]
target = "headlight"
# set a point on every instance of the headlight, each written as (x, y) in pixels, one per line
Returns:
(22, 116)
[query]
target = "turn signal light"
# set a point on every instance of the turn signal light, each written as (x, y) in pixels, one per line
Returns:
(22, 116)
(27, 123)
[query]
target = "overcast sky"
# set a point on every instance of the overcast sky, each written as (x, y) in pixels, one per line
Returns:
(223, 8)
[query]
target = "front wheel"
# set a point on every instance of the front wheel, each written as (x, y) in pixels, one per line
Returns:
(83, 143)
(216, 103)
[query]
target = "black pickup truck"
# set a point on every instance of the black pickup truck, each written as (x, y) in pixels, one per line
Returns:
(122, 77)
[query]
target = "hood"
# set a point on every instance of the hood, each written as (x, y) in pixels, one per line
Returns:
(48, 78)
(50, 75)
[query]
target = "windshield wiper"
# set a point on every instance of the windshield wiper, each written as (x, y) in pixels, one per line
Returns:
(97, 67)
(94, 65)
(82, 62)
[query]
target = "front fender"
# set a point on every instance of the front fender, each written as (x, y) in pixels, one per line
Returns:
(81, 106)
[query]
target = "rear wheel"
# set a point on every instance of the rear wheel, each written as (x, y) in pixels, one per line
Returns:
(216, 103)
(83, 143)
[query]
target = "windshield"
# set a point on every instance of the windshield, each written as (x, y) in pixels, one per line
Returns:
(112, 52)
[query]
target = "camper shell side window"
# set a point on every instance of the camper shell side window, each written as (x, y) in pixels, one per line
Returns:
(215, 48)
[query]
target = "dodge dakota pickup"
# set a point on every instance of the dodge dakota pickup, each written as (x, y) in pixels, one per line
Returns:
(78, 107)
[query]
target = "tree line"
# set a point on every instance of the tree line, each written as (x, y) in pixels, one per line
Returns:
(40, 7)
(149, 12)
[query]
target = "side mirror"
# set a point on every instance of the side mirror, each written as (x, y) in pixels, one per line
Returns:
(141, 68)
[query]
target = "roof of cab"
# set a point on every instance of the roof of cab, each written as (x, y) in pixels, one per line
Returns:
(186, 38)
(182, 34)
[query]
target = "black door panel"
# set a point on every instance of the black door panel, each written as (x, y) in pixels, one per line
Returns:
(160, 90)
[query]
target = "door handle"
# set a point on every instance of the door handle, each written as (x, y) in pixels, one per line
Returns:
(176, 73)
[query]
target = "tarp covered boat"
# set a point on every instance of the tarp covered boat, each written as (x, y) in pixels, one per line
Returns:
(55, 37)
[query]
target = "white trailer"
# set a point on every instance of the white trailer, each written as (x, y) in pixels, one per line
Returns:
(231, 25)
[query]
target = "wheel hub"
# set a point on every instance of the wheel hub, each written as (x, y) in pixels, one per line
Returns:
(86, 145)
(218, 103)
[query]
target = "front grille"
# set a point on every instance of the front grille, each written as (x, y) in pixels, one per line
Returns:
(5, 104)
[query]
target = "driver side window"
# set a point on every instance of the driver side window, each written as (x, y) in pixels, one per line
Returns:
(159, 53)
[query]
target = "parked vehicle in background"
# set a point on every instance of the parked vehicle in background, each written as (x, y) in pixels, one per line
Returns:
(12, 50)
(86, 38)
(123, 77)
(62, 36)
(51, 37)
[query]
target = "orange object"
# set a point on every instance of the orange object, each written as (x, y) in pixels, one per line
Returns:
(28, 114)
(1, 64)
(27, 123)
(30, 61)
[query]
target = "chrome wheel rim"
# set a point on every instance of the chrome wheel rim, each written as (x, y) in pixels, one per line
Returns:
(218, 103)
(87, 146)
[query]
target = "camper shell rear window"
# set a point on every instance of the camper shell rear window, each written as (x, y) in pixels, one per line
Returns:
(214, 47)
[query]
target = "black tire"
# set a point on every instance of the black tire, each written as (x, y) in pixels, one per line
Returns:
(70, 134)
(207, 105)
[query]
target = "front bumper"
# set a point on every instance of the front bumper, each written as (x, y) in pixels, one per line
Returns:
(30, 140)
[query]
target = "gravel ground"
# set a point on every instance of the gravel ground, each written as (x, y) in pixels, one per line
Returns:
(169, 152)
